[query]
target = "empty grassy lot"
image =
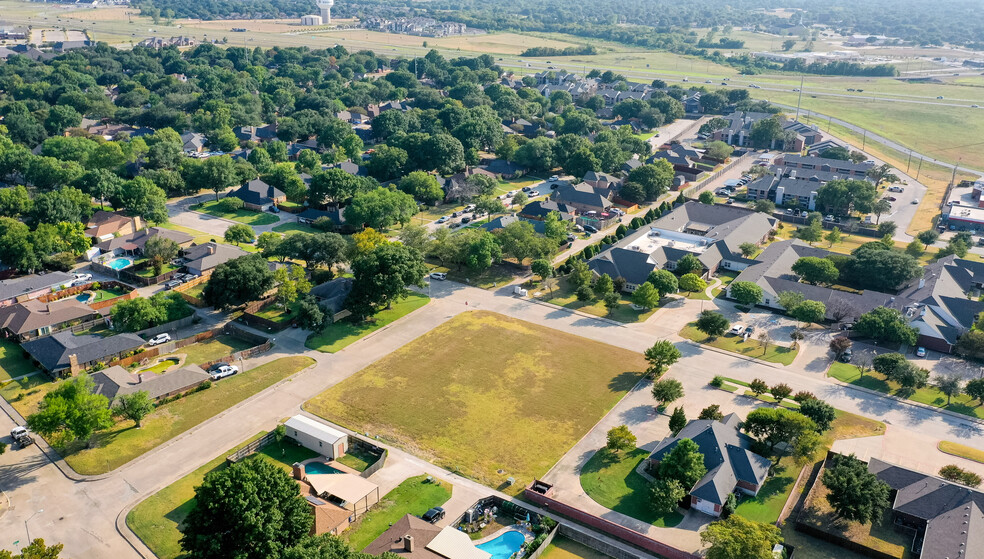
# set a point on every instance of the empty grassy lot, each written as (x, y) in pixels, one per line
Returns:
(213, 348)
(612, 481)
(414, 496)
(559, 292)
(123, 442)
(749, 348)
(510, 395)
(248, 217)
(339, 335)
(156, 520)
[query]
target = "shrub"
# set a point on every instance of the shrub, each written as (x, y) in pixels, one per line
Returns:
(230, 204)
(584, 293)
(717, 381)
(803, 396)
(324, 223)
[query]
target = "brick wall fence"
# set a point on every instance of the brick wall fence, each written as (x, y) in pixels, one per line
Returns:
(539, 493)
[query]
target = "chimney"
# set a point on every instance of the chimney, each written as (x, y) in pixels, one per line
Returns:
(922, 283)
(73, 365)
(210, 249)
(297, 471)
(408, 543)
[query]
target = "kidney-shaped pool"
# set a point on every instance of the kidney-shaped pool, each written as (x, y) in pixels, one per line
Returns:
(504, 545)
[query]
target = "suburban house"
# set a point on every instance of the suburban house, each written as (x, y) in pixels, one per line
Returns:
(193, 142)
(683, 160)
(731, 464)
(737, 131)
(258, 195)
(310, 215)
(540, 209)
(602, 181)
(582, 197)
(353, 169)
(65, 352)
(31, 287)
(502, 221)
(134, 243)
(819, 147)
(947, 518)
(843, 169)
(105, 225)
(503, 168)
(417, 539)
(34, 318)
(117, 381)
(257, 134)
(329, 518)
(786, 189)
(711, 233)
(317, 436)
(202, 259)
(332, 294)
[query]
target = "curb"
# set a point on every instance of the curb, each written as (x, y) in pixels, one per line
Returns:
(737, 355)
(906, 401)
(574, 311)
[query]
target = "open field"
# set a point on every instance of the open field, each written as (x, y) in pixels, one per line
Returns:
(123, 442)
(611, 480)
(491, 43)
(414, 496)
(156, 520)
(508, 387)
(339, 335)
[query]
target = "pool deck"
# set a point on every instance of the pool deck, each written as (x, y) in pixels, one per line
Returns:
(514, 528)
(332, 463)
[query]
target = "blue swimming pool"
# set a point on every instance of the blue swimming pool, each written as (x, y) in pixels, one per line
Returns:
(85, 297)
(320, 468)
(119, 263)
(505, 545)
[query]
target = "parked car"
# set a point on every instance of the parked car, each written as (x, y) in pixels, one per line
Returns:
(465, 220)
(83, 277)
(443, 218)
(920, 351)
(439, 276)
(896, 189)
(804, 213)
(828, 217)
(789, 211)
(749, 331)
(172, 284)
(435, 514)
(915, 201)
(846, 356)
(891, 198)
(223, 370)
(21, 436)
(274, 210)
(737, 329)
(572, 238)
(554, 178)
(590, 229)
(159, 339)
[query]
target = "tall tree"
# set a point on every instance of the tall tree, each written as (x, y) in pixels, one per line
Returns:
(737, 537)
(683, 463)
(661, 355)
(72, 410)
(381, 277)
(854, 492)
(134, 406)
(238, 281)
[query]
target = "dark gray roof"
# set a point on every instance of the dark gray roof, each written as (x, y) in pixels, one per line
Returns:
(825, 164)
(53, 351)
(727, 457)
(313, 214)
(503, 167)
(12, 288)
(542, 208)
(332, 294)
(719, 222)
(116, 381)
(582, 194)
(502, 221)
(632, 265)
(257, 192)
(206, 256)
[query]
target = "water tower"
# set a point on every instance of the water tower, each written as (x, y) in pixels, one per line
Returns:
(325, 7)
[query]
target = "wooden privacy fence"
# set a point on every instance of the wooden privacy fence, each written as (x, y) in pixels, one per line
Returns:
(251, 447)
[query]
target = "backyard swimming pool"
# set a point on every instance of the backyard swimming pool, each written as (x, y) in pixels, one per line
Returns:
(85, 297)
(505, 545)
(320, 468)
(119, 263)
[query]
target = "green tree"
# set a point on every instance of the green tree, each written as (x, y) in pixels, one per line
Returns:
(664, 281)
(809, 311)
(719, 150)
(678, 420)
(746, 292)
(780, 391)
(712, 323)
(542, 268)
(34, 550)
(712, 412)
(422, 186)
(764, 206)
(692, 283)
(603, 286)
(778, 425)
(748, 249)
(950, 385)
(580, 274)
(291, 284)
(816, 270)
(655, 179)
(646, 296)
(238, 281)
(620, 438)
(975, 389)
(758, 387)
(311, 316)
(684, 463)
(665, 495)
(886, 325)
(855, 493)
(789, 299)
(660, 356)
(688, 264)
(218, 174)
(251, 510)
(915, 249)
(134, 406)
(135, 315)
(611, 302)
(833, 237)
(520, 240)
(666, 391)
(72, 411)
(381, 277)
(811, 233)
(380, 208)
(822, 413)
(737, 537)
(239, 233)
(706, 197)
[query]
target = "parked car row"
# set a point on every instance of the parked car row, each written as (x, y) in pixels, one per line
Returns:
(178, 279)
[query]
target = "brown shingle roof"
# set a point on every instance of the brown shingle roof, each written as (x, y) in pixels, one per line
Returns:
(32, 315)
(392, 539)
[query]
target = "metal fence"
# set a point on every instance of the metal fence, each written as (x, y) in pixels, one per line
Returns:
(690, 191)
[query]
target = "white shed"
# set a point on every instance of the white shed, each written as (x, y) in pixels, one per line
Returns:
(317, 436)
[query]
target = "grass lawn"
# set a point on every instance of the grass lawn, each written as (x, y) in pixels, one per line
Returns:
(414, 496)
(105, 294)
(275, 313)
(696, 295)
(123, 442)
(213, 348)
(357, 459)
(726, 279)
(749, 348)
(563, 548)
(563, 295)
(148, 272)
(196, 290)
(199, 237)
(489, 278)
(767, 505)
(509, 384)
(963, 451)
(339, 335)
(294, 227)
(929, 395)
(162, 366)
(242, 216)
(12, 361)
(156, 519)
(612, 481)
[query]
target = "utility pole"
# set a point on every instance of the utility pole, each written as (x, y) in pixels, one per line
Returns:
(864, 140)
(800, 99)
(907, 162)
(919, 168)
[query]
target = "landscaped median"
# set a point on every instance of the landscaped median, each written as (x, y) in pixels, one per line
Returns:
(962, 451)
(559, 292)
(929, 395)
(733, 385)
(113, 447)
(339, 335)
(773, 353)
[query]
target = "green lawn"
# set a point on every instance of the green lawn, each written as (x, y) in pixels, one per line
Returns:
(563, 548)
(766, 506)
(161, 366)
(148, 272)
(612, 481)
(562, 294)
(12, 361)
(199, 237)
(294, 227)
(490, 278)
(526, 392)
(105, 294)
(732, 385)
(929, 395)
(726, 279)
(242, 216)
(213, 348)
(963, 451)
(750, 348)
(414, 496)
(341, 334)
(277, 314)
(357, 459)
(123, 442)
(156, 519)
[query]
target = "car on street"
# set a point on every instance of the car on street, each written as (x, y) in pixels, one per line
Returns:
(891, 198)
(222, 370)
(439, 276)
(443, 218)
(804, 213)
(571, 238)
(465, 220)
(554, 178)
(83, 277)
(896, 189)
(159, 339)
(920, 352)
(434, 515)
(915, 201)
(940, 97)
(457, 214)
(737, 329)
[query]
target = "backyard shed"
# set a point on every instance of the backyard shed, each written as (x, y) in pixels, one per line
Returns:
(317, 436)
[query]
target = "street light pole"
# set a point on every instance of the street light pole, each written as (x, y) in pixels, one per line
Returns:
(26, 528)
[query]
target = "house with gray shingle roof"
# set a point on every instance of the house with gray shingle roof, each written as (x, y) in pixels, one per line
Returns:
(55, 353)
(32, 319)
(31, 287)
(117, 381)
(203, 258)
(731, 464)
(582, 197)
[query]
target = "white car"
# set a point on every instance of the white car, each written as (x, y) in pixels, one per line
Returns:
(737, 329)
(554, 178)
(159, 339)
(440, 276)
(83, 277)
(223, 371)
(443, 218)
